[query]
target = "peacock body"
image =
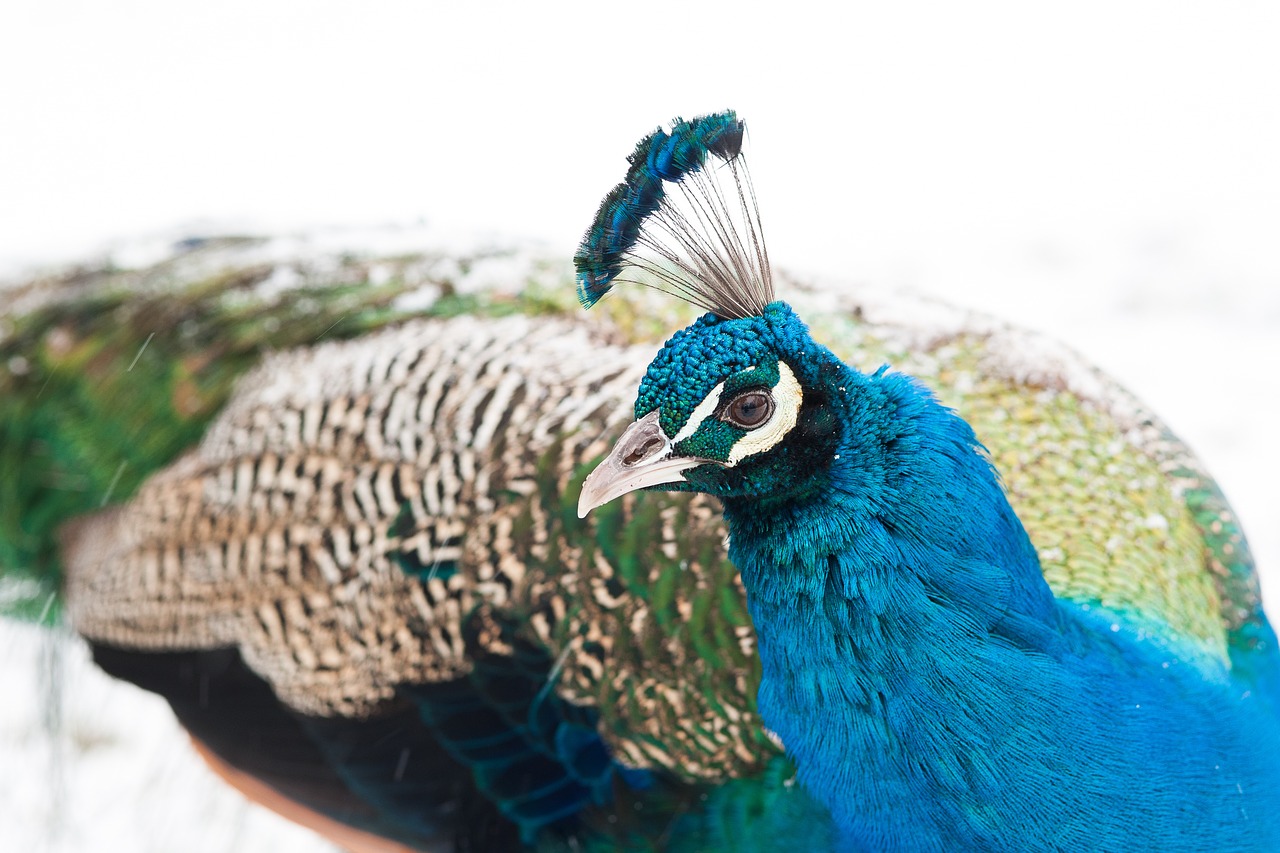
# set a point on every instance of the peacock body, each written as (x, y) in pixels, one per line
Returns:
(368, 584)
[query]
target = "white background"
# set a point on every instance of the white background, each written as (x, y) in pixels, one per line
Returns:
(1108, 172)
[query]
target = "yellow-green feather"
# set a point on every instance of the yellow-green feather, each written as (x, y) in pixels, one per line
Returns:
(1111, 500)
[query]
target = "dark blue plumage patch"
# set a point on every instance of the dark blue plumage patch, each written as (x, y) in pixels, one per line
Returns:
(538, 757)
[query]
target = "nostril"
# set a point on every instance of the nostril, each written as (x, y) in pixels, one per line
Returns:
(641, 449)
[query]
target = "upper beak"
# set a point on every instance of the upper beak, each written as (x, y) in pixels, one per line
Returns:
(642, 457)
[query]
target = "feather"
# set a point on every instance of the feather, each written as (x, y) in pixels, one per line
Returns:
(702, 244)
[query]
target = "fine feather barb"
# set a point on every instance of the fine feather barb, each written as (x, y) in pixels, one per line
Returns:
(702, 243)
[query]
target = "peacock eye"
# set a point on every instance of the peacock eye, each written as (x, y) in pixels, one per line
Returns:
(749, 410)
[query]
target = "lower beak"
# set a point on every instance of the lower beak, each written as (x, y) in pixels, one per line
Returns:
(642, 457)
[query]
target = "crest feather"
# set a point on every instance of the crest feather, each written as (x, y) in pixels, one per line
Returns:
(700, 242)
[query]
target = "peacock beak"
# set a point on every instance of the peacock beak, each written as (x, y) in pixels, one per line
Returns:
(642, 457)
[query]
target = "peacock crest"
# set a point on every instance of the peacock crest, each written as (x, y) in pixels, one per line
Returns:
(685, 220)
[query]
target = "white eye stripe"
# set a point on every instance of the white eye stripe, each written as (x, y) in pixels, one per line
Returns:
(787, 398)
(700, 413)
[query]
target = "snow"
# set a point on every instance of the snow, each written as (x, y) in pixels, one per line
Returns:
(91, 763)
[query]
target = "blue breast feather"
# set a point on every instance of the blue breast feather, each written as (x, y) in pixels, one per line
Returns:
(936, 696)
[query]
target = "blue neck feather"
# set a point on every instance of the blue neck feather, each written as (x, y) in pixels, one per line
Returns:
(932, 691)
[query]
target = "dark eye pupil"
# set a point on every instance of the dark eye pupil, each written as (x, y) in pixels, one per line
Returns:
(751, 409)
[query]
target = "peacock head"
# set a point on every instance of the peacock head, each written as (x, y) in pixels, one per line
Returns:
(731, 407)
(734, 405)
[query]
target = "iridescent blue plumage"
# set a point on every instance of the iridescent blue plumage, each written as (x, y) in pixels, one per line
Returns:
(899, 601)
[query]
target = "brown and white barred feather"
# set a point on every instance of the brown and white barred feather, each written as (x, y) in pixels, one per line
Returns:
(278, 533)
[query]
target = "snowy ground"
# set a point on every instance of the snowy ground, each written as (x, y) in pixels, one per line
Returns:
(88, 763)
(1104, 171)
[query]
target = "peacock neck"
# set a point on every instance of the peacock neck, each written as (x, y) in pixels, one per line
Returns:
(878, 619)
(912, 502)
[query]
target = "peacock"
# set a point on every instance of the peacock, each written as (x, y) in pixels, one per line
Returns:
(477, 571)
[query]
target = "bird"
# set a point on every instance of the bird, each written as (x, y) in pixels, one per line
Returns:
(979, 599)
(934, 690)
